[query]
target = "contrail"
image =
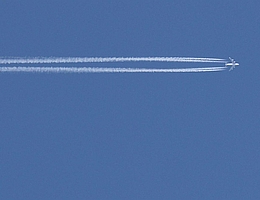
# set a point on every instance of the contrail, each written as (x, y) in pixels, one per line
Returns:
(41, 60)
(105, 70)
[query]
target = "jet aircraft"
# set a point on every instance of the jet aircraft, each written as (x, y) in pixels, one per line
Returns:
(232, 64)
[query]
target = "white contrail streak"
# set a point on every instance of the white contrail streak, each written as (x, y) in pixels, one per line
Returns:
(41, 60)
(105, 70)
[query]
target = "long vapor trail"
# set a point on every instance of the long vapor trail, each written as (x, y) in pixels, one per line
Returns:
(46, 60)
(105, 70)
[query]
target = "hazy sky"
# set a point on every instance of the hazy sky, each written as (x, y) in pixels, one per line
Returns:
(131, 136)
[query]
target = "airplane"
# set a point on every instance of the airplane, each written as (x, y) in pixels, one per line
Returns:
(233, 64)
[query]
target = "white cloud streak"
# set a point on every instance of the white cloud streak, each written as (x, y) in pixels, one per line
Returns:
(105, 70)
(46, 60)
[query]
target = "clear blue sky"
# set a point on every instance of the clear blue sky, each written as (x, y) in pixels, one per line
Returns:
(131, 136)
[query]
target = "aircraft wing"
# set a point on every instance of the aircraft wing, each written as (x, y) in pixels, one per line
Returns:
(231, 68)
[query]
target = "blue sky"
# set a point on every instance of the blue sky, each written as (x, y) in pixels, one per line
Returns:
(131, 136)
